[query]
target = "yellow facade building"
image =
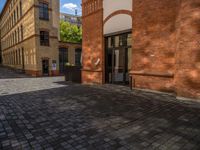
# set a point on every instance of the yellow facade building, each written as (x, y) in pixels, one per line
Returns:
(30, 35)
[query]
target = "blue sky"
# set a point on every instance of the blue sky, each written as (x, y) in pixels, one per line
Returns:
(67, 6)
(2, 4)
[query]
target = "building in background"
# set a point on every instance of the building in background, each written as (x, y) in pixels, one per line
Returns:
(73, 19)
(149, 44)
(69, 53)
(29, 36)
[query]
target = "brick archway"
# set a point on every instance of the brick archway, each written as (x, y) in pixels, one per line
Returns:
(127, 12)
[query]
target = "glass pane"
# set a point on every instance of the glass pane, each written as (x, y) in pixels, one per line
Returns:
(63, 58)
(110, 59)
(124, 40)
(119, 66)
(109, 42)
(129, 40)
(116, 41)
(120, 41)
(78, 57)
(129, 58)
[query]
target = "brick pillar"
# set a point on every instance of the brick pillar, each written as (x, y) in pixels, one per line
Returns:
(93, 60)
(187, 76)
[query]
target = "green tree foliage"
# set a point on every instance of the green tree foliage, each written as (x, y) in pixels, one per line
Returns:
(70, 33)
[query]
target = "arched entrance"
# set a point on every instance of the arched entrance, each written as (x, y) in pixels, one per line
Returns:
(118, 47)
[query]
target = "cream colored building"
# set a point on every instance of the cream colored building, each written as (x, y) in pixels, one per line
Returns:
(30, 35)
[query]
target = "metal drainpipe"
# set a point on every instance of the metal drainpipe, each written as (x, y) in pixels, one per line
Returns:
(131, 83)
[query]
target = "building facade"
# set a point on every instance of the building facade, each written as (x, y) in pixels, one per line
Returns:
(29, 36)
(149, 44)
(73, 19)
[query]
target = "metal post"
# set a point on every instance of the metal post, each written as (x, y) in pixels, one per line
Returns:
(131, 82)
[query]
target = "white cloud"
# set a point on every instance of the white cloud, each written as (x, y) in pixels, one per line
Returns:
(70, 6)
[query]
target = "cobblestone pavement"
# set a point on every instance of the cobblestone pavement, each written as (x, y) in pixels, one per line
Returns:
(46, 113)
(8, 73)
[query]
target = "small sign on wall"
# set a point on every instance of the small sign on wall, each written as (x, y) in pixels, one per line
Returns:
(54, 65)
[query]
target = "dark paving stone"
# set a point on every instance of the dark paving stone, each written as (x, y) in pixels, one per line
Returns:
(6, 73)
(70, 116)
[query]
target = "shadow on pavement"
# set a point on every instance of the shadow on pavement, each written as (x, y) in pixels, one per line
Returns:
(8, 73)
(78, 117)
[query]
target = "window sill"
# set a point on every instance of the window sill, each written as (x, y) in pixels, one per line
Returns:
(45, 45)
(42, 19)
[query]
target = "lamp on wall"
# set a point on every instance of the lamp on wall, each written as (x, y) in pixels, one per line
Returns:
(97, 62)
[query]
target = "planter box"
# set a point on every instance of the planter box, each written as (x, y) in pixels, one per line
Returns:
(73, 74)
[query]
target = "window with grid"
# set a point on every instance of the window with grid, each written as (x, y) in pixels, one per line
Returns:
(78, 57)
(44, 11)
(44, 38)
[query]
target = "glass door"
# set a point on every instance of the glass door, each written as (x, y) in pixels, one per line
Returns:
(119, 66)
(109, 66)
(118, 58)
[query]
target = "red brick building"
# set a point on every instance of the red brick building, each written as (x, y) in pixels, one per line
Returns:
(156, 42)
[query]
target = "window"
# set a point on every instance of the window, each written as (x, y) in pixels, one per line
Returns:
(17, 13)
(16, 53)
(20, 7)
(18, 33)
(78, 57)
(123, 40)
(44, 38)
(14, 16)
(44, 11)
(22, 33)
(15, 36)
(19, 53)
(63, 58)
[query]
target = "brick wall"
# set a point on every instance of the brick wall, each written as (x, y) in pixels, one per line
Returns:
(154, 43)
(166, 46)
(92, 42)
(187, 77)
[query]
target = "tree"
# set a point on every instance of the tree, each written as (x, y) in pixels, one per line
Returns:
(70, 32)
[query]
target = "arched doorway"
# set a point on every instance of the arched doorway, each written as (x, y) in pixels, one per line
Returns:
(118, 47)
